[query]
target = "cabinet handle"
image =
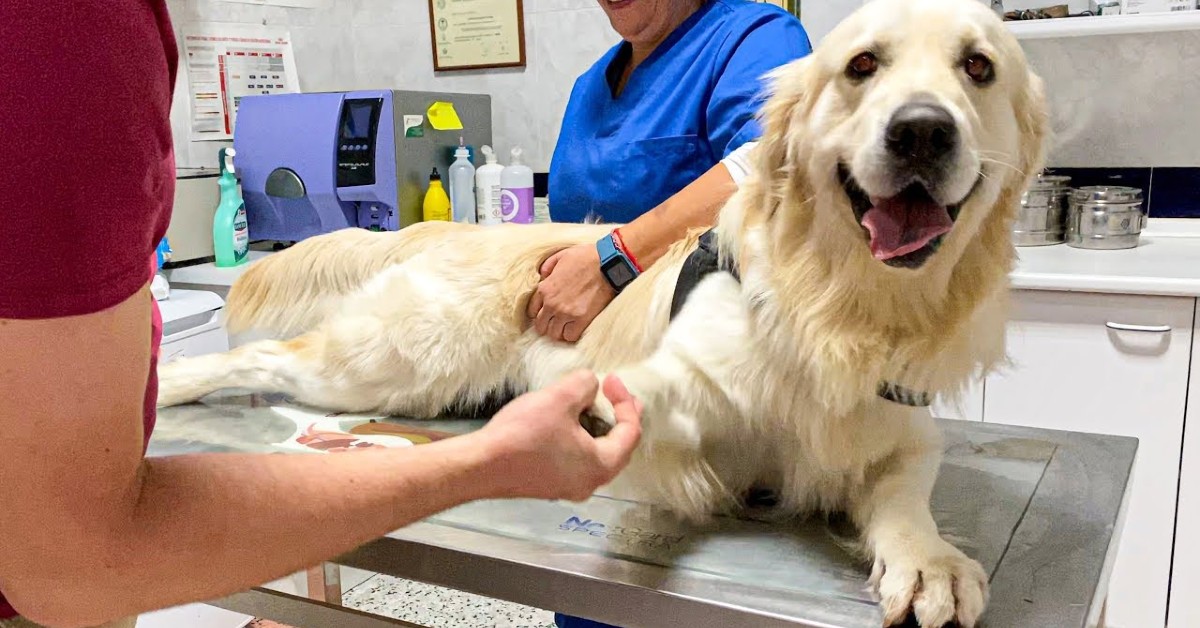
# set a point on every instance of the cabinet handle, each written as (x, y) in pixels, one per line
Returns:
(1153, 329)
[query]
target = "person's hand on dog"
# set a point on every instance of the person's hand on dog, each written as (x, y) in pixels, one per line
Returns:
(571, 294)
(536, 447)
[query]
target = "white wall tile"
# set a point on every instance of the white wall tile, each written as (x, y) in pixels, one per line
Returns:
(1122, 100)
(382, 44)
(1116, 101)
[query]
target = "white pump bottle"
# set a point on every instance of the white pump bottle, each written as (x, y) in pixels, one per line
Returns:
(487, 189)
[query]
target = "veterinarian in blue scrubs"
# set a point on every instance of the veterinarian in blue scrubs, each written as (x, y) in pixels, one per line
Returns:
(656, 135)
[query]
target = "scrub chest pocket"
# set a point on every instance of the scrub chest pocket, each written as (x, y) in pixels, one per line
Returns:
(662, 164)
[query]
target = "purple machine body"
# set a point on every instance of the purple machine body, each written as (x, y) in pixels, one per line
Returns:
(319, 162)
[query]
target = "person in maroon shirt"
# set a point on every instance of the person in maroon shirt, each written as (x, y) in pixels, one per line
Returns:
(90, 530)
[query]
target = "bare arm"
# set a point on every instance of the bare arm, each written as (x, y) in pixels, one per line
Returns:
(695, 206)
(573, 291)
(93, 532)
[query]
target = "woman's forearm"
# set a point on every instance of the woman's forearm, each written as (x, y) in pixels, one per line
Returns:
(695, 206)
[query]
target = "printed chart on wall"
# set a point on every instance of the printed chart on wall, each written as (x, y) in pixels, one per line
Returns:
(227, 62)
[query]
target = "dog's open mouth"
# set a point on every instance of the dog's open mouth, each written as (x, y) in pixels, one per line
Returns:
(903, 230)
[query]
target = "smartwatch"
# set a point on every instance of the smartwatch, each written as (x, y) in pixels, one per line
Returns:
(615, 265)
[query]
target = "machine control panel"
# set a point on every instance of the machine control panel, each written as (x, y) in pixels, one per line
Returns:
(357, 134)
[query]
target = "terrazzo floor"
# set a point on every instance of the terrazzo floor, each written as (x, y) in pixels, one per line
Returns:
(421, 604)
(435, 607)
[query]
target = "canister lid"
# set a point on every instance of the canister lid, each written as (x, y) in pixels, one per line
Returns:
(1048, 181)
(1106, 194)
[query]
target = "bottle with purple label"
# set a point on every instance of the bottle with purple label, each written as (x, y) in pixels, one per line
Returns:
(516, 191)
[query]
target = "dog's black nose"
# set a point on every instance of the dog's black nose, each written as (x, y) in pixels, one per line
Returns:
(922, 134)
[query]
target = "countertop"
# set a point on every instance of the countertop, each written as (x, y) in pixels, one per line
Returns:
(1166, 263)
(1040, 509)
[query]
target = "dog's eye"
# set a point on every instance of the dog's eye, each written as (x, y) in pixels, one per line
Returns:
(863, 65)
(979, 69)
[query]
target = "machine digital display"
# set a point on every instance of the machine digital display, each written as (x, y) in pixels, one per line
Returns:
(356, 141)
(356, 124)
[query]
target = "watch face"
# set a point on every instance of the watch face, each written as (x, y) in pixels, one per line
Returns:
(619, 273)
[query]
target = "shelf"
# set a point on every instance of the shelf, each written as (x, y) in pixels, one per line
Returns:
(1105, 25)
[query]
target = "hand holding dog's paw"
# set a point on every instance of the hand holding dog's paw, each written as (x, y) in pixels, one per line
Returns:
(536, 445)
(939, 587)
(599, 419)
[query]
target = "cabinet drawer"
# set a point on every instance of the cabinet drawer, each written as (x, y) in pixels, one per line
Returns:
(1112, 364)
(209, 339)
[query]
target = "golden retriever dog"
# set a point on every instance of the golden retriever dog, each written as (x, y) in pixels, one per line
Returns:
(864, 270)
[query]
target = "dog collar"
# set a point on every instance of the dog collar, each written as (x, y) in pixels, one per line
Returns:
(705, 260)
(904, 396)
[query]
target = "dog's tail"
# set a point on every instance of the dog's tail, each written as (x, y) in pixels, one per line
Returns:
(291, 291)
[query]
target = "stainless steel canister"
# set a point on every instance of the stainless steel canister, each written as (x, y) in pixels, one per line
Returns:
(1105, 217)
(1042, 218)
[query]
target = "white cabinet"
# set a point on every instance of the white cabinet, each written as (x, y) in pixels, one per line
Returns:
(968, 407)
(1112, 364)
(1185, 576)
(191, 325)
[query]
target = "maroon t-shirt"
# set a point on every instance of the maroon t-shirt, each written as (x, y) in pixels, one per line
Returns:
(87, 171)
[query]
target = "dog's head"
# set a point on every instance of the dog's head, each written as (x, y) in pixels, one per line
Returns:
(915, 126)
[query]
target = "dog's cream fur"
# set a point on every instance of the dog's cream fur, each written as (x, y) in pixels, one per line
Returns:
(770, 381)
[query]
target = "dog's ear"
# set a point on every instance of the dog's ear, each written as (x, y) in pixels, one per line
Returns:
(789, 93)
(1033, 122)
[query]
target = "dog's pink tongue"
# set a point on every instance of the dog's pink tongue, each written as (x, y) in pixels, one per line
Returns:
(899, 225)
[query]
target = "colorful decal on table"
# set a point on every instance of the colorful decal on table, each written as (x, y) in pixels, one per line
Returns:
(327, 432)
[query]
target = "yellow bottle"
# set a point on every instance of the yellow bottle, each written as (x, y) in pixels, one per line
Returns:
(437, 203)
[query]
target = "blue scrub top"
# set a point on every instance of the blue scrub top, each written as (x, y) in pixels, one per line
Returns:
(683, 109)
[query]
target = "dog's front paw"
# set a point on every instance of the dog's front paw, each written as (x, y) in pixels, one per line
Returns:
(939, 587)
(601, 417)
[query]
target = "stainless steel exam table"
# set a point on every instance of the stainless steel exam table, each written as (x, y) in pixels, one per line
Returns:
(1040, 509)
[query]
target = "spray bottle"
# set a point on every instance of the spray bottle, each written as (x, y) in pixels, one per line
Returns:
(231, 234)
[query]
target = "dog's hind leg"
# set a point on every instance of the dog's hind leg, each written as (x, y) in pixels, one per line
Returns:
(411, 342)
(292, 367)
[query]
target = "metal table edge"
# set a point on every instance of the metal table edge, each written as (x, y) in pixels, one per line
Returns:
(485, 565)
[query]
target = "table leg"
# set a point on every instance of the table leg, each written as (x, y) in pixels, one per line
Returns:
(325, 583)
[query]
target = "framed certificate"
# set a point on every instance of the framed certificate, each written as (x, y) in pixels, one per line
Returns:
(477, 34)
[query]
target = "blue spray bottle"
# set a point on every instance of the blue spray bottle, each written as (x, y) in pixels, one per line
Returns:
(231, 235)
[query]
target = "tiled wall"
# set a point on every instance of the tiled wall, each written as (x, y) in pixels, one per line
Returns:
(1129, 102)
(1125, 111)
(381, 44)
(1169, 192)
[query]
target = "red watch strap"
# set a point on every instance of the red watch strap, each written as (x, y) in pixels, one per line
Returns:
(621, 245)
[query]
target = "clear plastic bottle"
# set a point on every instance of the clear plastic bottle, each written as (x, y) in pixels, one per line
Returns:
(462, 185)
